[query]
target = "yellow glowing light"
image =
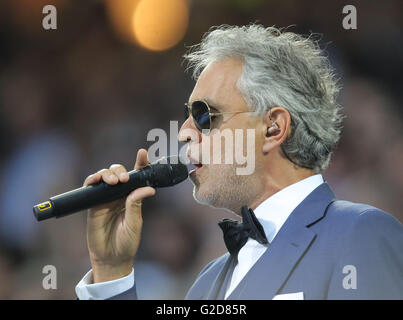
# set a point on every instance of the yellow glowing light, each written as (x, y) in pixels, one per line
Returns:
(120, 13)
(160, 24)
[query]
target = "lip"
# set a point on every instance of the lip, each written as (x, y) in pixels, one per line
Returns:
(196, 163)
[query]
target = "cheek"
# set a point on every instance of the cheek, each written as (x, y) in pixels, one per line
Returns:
(228, 147)
(219, 148)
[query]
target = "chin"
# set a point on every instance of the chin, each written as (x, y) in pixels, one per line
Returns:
(199, 195)
(212, 196)
(221, 188)
(204, 194)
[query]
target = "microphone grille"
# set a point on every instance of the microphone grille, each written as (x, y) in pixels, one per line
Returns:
(170, 171)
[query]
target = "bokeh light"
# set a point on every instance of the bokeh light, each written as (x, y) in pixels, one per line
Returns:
(160, 24)
(120, 14)
(152, 24)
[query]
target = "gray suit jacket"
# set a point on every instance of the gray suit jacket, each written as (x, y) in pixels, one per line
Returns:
(326, 249)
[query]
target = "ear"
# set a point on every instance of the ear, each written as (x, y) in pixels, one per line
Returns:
(278, 127)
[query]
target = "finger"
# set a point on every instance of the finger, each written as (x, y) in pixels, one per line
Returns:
(133, 206)
(108, 176)
(135, 197)
(120, 171)
(91, 179)
(142, 159)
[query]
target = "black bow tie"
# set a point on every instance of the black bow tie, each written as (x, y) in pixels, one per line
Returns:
(237, 233)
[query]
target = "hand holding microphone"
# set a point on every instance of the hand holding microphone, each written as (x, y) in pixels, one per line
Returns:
(114, 229)
(114, 220)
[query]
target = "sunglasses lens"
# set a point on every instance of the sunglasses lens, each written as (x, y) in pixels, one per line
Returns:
(200, 113)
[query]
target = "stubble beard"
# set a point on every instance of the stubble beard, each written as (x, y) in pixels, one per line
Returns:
(220, 187)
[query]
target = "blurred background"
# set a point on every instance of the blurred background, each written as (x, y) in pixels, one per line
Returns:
(84, 96)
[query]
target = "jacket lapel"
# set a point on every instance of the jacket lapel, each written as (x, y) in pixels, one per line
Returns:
(217, 290)
(271, 271)
(227, 278)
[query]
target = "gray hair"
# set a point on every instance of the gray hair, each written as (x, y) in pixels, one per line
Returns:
(281, 69)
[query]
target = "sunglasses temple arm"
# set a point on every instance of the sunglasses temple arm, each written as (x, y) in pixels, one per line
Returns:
(235, 112)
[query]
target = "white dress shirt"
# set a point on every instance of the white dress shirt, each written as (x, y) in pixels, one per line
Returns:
(86, 290)
(272, 213)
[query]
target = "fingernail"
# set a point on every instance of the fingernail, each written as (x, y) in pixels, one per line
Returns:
(112, 177)
(123, 175)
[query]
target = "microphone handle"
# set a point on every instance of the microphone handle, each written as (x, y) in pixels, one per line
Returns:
(96, 194)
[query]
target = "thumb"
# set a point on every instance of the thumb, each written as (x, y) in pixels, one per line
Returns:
(141, 159)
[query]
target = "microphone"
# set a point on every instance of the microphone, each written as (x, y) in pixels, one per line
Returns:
(165, 172)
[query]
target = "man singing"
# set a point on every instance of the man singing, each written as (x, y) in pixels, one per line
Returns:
(296, 240)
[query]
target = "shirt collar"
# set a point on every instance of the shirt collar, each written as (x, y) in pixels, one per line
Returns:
(274, 211)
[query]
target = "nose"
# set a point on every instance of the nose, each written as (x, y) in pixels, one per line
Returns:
(188, 132)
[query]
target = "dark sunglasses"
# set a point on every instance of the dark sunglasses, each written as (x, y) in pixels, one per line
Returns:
(202, 115)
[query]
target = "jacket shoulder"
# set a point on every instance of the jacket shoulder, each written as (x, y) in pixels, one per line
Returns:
(371, 241)
(358, 214)
(352, 226)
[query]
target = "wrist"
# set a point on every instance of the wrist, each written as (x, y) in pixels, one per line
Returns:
(106, 272)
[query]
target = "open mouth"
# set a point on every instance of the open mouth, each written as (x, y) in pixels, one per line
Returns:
(197, 167)
(196, 163)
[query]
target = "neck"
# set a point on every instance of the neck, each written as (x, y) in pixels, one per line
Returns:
(275, 180)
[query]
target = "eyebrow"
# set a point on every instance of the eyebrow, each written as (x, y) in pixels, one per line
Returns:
(212, 104)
